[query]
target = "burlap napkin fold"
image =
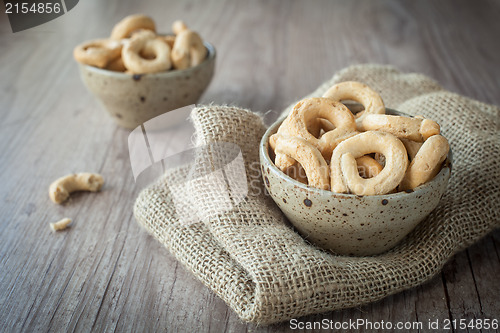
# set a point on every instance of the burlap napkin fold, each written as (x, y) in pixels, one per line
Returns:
(250, 257)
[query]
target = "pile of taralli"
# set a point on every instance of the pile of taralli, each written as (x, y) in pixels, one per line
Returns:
(135, 48)
(323, 144)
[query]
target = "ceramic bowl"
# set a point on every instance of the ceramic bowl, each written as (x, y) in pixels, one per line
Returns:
(133, 99)
(349, 224)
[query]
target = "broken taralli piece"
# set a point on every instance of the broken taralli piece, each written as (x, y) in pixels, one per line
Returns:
(60, 189)
(60, 225)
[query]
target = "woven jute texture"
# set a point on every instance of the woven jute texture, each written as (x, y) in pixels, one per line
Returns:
(250, 256)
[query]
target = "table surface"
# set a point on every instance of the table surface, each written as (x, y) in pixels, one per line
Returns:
(106, 272)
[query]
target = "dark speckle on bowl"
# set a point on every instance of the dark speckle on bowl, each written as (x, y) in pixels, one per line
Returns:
(267, 181)
(307, 202)
(137, 77)
(385, 202)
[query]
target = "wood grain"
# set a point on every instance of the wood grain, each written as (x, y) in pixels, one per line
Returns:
(105, 273)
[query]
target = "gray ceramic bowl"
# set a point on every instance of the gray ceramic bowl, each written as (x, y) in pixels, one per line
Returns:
(133, 99)
(348, 224)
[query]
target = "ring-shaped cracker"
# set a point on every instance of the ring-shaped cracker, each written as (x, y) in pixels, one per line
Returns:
(361, 93)
(179, 26)
(427, 162)
(416, 129)
(188, 50)
(143, 43)
(344, 174)
(284, 162)
(98, 52)
(368, 167)
(412, 147)
(129, 24)
(296, 172)
(116, 65)
(309, 110)
(170, 40)
(307, 155)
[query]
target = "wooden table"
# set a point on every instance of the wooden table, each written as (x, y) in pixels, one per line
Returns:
(106, 272)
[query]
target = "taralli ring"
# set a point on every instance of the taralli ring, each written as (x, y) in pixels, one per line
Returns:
(307, 155)
(179, 26)
(344, 175)
(361, 93)
(308, 111)
(298, 173)
(284, 162)
(188, 50)
(368, 167)
(116, 65)
(416, 129)
(146, 43)
(129, 24)
(412, 147)
(170, 40)
(97, 52)
(427, 162)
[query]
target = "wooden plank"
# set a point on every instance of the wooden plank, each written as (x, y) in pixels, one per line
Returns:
(484, 260)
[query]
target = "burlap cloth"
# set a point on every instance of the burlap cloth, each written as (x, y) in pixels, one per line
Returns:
(251, 258)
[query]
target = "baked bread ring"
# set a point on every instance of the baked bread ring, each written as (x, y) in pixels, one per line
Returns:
(170, 40)
(344, 174)
(116, 65)
(307, 155)
(297, 172)
(188, 50)
(284, 162)
(427, 162)
(361, 93)
(179, 26)
(145, 53)
(368, 167)
(306, 112)
(129, 24)
(412, 147)
(98, 52)
(416, 129)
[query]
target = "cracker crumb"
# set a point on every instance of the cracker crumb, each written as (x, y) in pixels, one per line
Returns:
(60, 225)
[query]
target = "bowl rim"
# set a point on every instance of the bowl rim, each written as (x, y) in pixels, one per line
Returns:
(170, 73)
(445, 172)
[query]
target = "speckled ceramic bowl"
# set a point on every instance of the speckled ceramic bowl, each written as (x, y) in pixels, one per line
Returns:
(345, 223)
(133, 99)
